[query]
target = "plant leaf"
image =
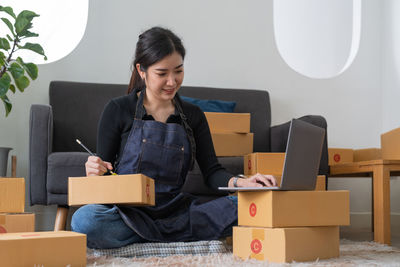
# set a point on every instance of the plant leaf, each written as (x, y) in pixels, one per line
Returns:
(33, 47)
(23, 21)
(28, 34)
(28, 26)
(12, 88)
(21, 83)
(8, 10)
(30, 68)
(4, 44)
(7, 104)
(16, 71)
(2, 59)
(9, 38)
(5, 81)
(9, 25)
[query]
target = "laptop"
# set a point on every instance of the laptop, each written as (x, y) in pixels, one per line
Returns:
(303, 154)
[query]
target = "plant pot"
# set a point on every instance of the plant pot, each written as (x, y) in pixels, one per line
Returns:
(4, 160)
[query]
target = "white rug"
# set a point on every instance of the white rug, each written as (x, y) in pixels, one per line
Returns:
(352, 253)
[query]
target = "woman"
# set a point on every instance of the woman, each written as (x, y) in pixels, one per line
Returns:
(151, 131)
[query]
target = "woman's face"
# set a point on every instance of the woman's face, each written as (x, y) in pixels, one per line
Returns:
(164, 78)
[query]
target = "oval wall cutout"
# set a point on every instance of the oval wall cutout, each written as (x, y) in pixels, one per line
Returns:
(61, 26)
(317, 38)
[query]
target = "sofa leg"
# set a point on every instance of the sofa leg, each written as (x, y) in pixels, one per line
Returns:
(61, 218)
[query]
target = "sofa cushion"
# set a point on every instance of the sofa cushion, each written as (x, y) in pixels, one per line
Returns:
(211, 105)
(62, 165)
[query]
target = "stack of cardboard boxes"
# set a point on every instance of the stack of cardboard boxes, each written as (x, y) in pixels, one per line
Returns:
(285, 226)
(230, 133)
(389, 150)
(13, 217)
(21, 246)
(347, 155)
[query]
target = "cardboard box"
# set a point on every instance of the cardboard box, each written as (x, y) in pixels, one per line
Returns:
(286, 244)
(293, 208)
(321, 183)
(228, 122)
(17, 222)
(133, 189)
(232, 144)
(43, 249)
(367, 154)
(340, 155)
(264, 163)
(12, 195)
(390, 144)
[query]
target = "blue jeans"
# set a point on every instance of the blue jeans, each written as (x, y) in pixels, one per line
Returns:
(105, 228)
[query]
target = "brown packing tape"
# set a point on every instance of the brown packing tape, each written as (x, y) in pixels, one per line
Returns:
(147, 190)
(256, 245)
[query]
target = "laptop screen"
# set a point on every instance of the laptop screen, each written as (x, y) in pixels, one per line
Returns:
(303, 154)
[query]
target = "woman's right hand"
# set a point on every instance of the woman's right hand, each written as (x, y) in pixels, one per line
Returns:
(95, 166)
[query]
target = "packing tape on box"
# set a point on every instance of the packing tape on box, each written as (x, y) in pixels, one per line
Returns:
(256, 244)
(2, 222)
(249, 164)
(147, 190)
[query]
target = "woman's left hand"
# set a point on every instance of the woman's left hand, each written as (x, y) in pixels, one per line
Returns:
(257, 180)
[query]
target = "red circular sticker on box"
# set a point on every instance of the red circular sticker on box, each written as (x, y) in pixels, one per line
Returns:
(249, 164)
(336, 157)
(253, 209)
(2, 230)
(256, 246)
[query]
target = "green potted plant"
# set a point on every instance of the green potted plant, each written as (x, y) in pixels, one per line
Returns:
(14, 72)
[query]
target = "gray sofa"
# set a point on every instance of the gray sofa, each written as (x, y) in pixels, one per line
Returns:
(74, 111)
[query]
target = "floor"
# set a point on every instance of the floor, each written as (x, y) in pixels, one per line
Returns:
(365, 234)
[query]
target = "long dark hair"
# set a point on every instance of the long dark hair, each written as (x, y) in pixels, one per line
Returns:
(153, 45)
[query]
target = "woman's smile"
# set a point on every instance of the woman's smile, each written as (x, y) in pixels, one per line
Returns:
(169, 91)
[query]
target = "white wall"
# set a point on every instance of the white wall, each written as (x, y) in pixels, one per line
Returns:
(229, 44)
(391, 65)
(391, 80)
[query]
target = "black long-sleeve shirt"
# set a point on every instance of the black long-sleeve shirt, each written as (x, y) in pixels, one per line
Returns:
(116, 122)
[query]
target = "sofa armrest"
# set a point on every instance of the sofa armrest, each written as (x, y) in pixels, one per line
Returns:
(279, 137)
(40, 146)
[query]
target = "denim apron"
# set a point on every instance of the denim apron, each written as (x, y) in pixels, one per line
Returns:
(162, 152)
